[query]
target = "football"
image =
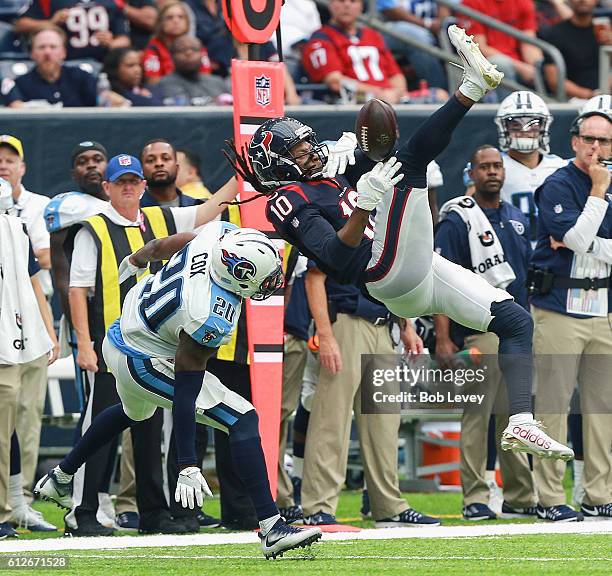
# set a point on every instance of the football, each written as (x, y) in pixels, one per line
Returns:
(376, 129)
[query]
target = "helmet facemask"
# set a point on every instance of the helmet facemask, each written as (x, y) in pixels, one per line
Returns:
(525, 133)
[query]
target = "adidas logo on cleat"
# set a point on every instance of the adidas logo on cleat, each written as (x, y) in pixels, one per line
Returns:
(533, 437)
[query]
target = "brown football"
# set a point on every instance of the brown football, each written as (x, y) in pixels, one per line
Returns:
(376, 129)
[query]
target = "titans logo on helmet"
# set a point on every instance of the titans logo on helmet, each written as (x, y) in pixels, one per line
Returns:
(239, 268)
(259, 149)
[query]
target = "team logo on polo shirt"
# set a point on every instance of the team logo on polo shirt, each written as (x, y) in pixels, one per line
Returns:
(124, 161)
(558, 209)
(519, 228)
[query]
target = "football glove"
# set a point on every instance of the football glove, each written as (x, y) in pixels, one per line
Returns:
(127, 269)
(340, 155)
(189, 488)
(377, 182)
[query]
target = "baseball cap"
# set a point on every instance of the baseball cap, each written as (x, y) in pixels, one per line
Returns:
(85, 146)
(13, 142)
(123, 164)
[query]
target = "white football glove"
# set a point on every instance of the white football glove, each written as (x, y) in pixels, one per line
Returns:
(127, 269)
(377, 182)
(189, 488)
(341, 155)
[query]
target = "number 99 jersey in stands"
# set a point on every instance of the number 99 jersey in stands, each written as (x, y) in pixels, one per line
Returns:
(180, 297)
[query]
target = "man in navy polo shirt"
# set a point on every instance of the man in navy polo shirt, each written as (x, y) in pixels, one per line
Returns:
(50, 82)
(92, 27)
(504, 242)
(572, 314)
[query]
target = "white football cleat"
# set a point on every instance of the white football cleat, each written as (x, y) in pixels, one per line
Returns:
(530, 437)
(50, 488)
(479, 75)
(283, 537)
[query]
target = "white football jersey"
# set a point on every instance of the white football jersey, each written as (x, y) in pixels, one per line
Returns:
(180, 297)
(70, 208)
(521, 182)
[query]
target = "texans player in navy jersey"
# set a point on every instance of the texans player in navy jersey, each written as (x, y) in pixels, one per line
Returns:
(389, 252)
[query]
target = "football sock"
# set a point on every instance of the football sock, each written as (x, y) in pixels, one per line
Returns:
(250, 464)
(430, 139)
(514, 327)
(15, 491)
(15, 467)
(105, 426)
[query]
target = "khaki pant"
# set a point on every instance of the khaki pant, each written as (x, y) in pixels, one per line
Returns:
(518, 480)
(10, 378)
(327, 443)
(294, 361)
(30, 406)
(575, 339)
(126, 497)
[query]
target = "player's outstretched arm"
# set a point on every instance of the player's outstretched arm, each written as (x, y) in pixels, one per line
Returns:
(190, 365)
(153, 251)
(214, 206)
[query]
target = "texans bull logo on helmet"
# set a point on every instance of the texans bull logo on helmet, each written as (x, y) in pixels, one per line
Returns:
(239, 268)
(259, 149)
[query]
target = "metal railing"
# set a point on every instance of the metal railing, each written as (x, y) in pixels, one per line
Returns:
(605, 65)
(549, 49)
(372, 19)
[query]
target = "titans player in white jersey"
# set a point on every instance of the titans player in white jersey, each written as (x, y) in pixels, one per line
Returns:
(171, 324)
(523, 123)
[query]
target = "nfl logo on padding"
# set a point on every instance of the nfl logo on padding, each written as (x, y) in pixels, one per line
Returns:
(124, 161)
(262, 90)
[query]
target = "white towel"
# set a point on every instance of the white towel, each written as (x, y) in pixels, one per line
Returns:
(488, 258)
(23, 335)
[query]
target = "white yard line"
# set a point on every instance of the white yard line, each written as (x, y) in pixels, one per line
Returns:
(110, 542)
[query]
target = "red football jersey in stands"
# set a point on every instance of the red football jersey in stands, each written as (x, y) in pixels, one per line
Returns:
(517, 13)
(363, 57)
(157, 60)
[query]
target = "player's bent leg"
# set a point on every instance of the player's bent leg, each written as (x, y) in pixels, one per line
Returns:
(220, 407)
(402, 248)
(470, 300)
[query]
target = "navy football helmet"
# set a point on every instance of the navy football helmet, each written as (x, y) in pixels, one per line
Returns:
(270, 152)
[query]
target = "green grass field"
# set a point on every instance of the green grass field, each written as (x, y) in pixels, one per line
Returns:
(540, 554)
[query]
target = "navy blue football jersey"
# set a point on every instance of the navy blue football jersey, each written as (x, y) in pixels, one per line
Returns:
(309, 215)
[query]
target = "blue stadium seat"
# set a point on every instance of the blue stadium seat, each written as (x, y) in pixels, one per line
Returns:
(91, 66)
(11, 9)
(11, 47)
(14, 68)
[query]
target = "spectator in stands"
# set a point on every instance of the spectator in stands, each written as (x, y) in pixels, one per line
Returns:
(124, 70)
(160, 169)
(142, 15)
(24, 316)
(213, 33)
(50, 82)
(299, 20)
(515, 59)
(188, 178)
(29, 207)
(352, 58)
(576, 40)
(551, 12)
(172, 22)
(419, 19)
(92, 28)
(187, 85)
(462, 218)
